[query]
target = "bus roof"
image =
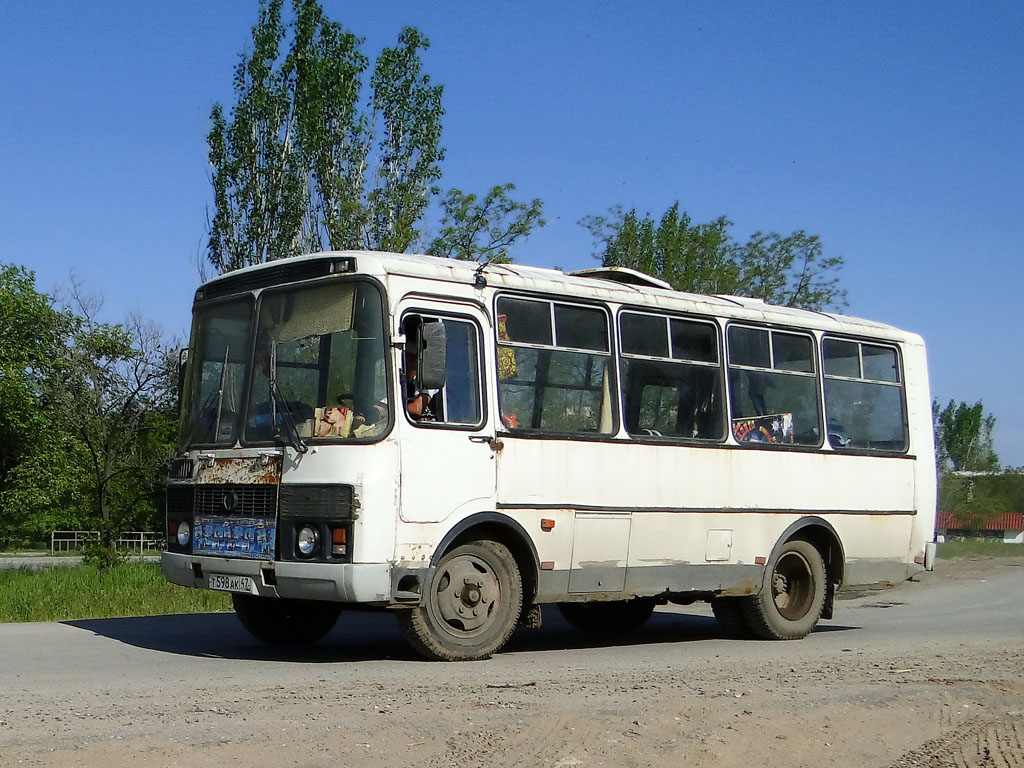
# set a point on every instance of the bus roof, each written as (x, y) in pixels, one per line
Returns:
(597, 285)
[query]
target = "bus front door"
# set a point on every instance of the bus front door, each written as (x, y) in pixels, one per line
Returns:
(448, 465)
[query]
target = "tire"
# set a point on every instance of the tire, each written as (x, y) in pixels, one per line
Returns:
(285, 622)
(729, 613)
(471, 606)
(608, 616)
(793, 594)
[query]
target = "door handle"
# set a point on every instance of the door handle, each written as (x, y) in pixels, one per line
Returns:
(495, 442)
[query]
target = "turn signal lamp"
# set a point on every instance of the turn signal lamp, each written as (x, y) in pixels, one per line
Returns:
(339, 541)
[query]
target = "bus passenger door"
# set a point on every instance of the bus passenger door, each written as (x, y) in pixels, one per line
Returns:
(448, 465)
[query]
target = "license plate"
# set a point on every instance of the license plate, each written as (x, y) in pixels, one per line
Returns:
(227, 583)
(239, 537)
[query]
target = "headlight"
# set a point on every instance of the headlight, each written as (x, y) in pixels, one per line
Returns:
(307, 540)
(184, 533)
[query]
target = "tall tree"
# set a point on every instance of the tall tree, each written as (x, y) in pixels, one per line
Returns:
(114, 397)
(703, 258)
(790, 271)
(300, 165)
(258, 171)
(32, 334)
(408, 166)
(474, 228)
(964, 437)
(971, 484)
(86, 416)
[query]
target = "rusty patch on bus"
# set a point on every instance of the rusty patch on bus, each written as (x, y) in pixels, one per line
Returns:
(746, 587)
(256, 470)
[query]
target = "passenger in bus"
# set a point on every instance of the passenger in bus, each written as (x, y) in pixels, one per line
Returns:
(417, 399)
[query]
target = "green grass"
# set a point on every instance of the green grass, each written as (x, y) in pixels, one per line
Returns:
(979, 548)
(128, 589)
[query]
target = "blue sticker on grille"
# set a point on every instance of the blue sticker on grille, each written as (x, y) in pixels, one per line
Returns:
(249, 537)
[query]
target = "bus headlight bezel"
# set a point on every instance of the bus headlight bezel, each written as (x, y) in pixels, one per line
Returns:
(184, 533)
(307, 540)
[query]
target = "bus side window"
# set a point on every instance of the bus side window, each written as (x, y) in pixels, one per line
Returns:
(773, 387)
(671, 377)
(553, 366)
(863, 396)
(458, 400)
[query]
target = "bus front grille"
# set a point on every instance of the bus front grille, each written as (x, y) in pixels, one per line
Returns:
(231, 500)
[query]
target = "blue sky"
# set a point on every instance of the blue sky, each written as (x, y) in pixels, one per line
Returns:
(892, 130)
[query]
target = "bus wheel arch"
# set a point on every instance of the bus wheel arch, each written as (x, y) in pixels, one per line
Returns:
(500, 528)
(823, 536)
(483, 579)
(471, 604)
(799, 582)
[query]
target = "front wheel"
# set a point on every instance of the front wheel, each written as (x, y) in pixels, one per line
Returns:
(471, 606)
(283, 621)
(791, 601)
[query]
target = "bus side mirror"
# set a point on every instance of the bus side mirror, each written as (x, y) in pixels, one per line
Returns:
(182, 366)
(431, 372)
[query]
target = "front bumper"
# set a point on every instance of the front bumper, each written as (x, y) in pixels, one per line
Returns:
(367, 583)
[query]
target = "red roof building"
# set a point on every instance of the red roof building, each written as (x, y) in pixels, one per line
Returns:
(1010, 523)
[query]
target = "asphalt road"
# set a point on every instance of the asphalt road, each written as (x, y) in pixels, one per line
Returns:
(36, 561)
(138, 691)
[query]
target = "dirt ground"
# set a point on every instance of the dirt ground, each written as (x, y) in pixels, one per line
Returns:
(678, 695)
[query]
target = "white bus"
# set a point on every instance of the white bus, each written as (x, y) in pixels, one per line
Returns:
(463, 443)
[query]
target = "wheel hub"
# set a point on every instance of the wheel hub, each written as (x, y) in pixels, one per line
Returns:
(792, 586)
(466, 592)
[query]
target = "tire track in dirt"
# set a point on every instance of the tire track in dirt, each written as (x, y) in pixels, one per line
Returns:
(977, 743)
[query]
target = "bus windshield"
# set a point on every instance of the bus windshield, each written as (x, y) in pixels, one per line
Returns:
(212, 395)
(318, 368)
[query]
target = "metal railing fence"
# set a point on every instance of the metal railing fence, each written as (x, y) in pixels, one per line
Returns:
(132, 541)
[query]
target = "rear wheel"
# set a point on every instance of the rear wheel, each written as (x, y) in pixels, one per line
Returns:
(282, 621)
(471, 607)
(791, 601)
(608, 616)
(729, 612)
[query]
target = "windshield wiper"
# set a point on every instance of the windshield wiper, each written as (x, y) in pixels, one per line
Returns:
(292, 431)
(220, 392)
(205, 412)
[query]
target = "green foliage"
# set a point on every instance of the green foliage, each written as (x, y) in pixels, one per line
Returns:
(978, 548)
(87, 418)
(32, 332)
(115, 397)
(126, 589)
(32, 335)
(258, 171)
(47, 490)
(963, 436)
(300, 165)
(95, 554)
(408, 167)
(334, 133)
(703, 258)
(473, 229)
(977, 499)
(971, 485)
(790, 271)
